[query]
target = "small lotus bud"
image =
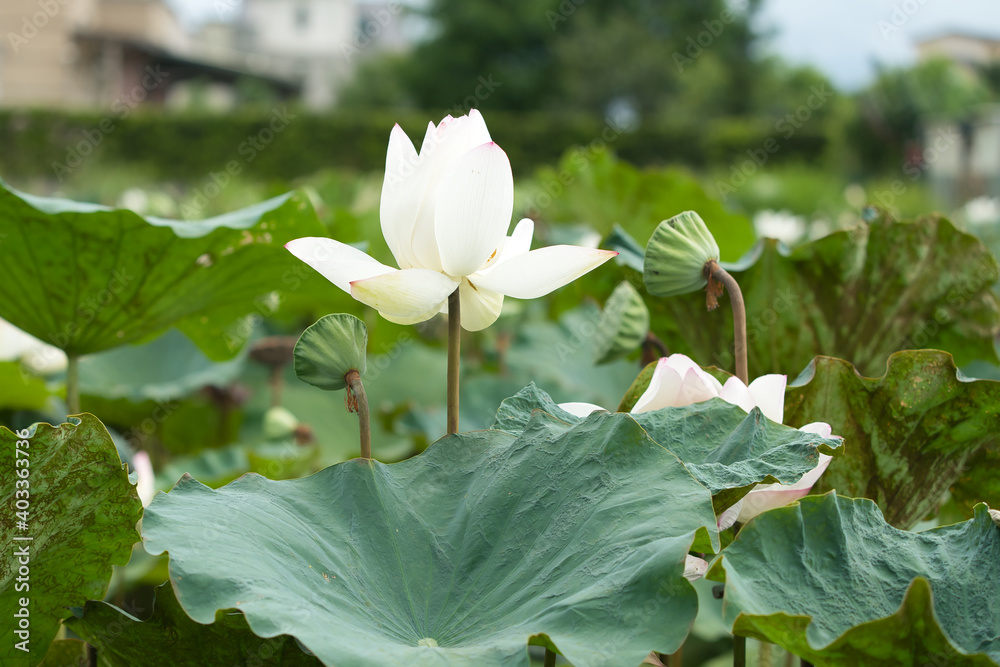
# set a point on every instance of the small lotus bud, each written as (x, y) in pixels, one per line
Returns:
(676, 255)
(279, 424)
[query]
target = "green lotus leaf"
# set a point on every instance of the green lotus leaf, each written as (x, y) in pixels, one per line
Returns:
(624, 324)
(675, 258)
(169, 637)
(86, 278)
(911, 432)
(630, 253)
(829, 580)
(81, 519)
(487, 541)
(20, 389)
(726, 449)
(637, 388)
(65, 652)
(859, 294)
(164, 369)
(329, 348)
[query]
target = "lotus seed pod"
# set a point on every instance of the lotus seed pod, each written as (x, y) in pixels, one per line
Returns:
(676, 255)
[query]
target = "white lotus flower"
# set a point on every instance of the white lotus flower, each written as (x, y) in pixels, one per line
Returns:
(445, 214)
(146, 484)
(694, 568)
(679, 381)
(764, 497)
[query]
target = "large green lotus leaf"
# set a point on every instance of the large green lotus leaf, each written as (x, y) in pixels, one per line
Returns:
(859, 294)
(726, 449)
(20, 389)
(486, 541)
(165, 369)
(828, 579)
(909, 433)
(86, 278)
(169, 637)
(81, 520)
(66, 653)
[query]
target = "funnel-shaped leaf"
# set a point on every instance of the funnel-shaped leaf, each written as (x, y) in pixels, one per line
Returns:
(574, 538)
(329, 348)
(859, 294)
(86, 278)
(831, 581)
(623, 325)
(725, 448)
(80, 518)
(169, 637)
(909, 432)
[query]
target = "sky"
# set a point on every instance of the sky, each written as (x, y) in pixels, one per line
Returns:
(842, 38)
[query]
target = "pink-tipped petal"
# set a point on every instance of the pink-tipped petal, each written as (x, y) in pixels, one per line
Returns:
(338, 262)
(728, 517)
(696, 386)
(737, 393)
(473, 209)
(407, 296)
(764, 497)
(684, 366)
(662, 390)
(768, 392)
(580, 409)
(541, 271)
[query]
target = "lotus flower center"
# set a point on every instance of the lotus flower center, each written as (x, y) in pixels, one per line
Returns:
(427, 641)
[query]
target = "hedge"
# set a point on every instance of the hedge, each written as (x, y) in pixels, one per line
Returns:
(186, 147)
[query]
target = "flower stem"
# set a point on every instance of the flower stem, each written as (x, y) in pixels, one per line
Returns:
(454, 347)
(550, 658)
(764, 657)
(357, 401)
(276, 382)
(73, 384)
(719, 278)
(739, 651)
(676, 659)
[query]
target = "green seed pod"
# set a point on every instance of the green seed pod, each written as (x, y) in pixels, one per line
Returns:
(676, 254)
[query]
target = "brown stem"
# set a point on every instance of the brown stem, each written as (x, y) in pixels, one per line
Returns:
(676, 659)
(276, 382)
(652, 349)
(739, 651)
(550, 658)
(357, 401)
(719, 279)
(454, 348)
